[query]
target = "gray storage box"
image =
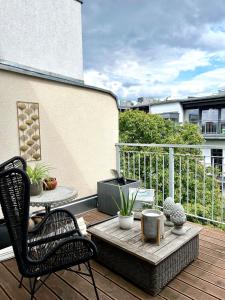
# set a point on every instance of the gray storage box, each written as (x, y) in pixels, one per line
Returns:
(109, 190)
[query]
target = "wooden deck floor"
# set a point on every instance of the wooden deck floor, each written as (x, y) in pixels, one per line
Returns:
(204, 279)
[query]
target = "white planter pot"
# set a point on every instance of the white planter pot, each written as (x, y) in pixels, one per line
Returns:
(125, 222)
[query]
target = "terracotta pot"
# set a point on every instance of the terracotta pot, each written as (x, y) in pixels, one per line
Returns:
(50, 184)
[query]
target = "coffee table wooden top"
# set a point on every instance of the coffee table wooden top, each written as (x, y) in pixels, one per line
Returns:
(131, 242)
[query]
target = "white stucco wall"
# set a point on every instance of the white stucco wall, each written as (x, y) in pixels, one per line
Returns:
(168, 107)
(42, 34)
(79, 128)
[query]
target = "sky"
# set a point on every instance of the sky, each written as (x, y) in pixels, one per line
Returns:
(154, 48)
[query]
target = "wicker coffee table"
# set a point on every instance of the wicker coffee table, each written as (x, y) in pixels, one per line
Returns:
(145, 264)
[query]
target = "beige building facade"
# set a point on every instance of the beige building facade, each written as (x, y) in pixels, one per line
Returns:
(78, 127)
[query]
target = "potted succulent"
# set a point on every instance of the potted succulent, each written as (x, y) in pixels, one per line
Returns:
(37, 175)
(125, 213)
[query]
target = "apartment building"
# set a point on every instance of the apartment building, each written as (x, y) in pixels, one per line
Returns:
(208, 112)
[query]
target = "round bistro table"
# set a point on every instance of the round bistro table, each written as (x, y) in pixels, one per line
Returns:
(59, 196)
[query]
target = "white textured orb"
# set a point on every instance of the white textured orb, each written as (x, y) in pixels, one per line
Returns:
(178, 216)
(168, 206)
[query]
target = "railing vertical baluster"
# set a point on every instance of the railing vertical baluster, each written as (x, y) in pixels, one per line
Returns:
(171, 172)
(144, 170)
(150, 171)
(163, 178)
(187, 183)
(180, 170)
(204, 183)
(128, 163)
(196, 171)
(139, 166)
(157, 180)
(134, 175)
(124, 164)
(213, 179)
(222, 191)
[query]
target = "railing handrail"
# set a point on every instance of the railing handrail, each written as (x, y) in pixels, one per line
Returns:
(200, 146)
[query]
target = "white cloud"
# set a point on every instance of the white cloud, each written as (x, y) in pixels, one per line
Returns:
(130, 78)
(147, 50)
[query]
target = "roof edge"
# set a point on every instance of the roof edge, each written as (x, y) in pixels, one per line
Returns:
(29, 71)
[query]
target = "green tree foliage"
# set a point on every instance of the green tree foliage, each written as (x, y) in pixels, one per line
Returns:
(197, 185)
(139, 127)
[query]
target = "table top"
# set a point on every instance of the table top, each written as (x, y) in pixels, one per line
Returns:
(131, 242)
(59, 196)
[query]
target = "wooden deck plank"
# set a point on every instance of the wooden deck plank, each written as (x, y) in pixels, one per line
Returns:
(206, 276)
(171, 294)
(3, 295)
(212, 246)
(62, 289)
(216, 254)
(10, 284)
(216, 233)
(202, 285)
(42, 293)
(212, 240)
(212, 260)
(82, 285)
(204, 279)
(209, 268)
(110, 288)
(188, 290)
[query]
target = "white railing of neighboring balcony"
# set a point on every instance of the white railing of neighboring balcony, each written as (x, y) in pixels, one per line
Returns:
(186, 172)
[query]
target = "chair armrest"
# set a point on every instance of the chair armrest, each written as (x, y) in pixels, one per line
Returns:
(79, 247)
(59, 223)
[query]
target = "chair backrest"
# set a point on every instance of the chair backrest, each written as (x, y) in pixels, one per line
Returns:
(15, 201)
(15, 162)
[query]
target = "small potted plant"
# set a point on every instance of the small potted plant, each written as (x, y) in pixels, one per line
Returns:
(37, 175)
(50, 183)
(125, 213)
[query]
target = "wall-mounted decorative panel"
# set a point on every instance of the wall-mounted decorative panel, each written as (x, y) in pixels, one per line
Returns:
(29, 130)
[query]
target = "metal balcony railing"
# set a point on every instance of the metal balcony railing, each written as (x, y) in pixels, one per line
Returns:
(184, 172)
(210, 127)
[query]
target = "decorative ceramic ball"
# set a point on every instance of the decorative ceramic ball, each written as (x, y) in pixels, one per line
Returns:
(178, 217)
(167, 210)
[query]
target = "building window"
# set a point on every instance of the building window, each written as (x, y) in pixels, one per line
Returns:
(193, 116)
(210, 121)
(173, 116)
(217, 158)
(222, 122)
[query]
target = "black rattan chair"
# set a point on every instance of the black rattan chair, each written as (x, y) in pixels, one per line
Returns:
(55, 244)
(15, 162)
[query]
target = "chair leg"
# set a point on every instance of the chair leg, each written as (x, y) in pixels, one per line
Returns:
(93, 281)
(32, 287)
(21, 281)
